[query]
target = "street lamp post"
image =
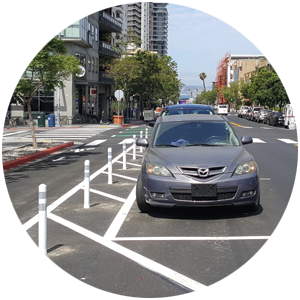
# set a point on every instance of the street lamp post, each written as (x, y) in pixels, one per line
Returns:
(58, 102)
(279, 6)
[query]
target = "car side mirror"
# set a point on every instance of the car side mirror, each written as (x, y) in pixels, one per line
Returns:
(142, 142)
(246, 140)
(151, 124)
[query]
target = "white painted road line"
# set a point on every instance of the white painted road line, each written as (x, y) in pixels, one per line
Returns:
(191, 238)
(139, 259)
(127, 163)
(15, 132)
(127, 141)
(96, 142)
(255, 140)
(115, 226)
(288, 141)
(107, 195)
(118, 175)
(67, 195)
(136, 154)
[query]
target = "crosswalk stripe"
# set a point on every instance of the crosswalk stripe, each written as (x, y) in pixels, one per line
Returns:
(96, 142)
(256, 140)
(288, 141)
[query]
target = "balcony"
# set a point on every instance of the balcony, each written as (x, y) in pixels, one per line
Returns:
(104, 78)
(119, 9)
(108, 23)
(106, 49)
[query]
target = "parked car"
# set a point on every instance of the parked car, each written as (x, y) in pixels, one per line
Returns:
(248, 113)
(180, 109)
(259, 117)
(254, 112)
(267, 117)
(242, 111)
(196, 161)
(276, 118)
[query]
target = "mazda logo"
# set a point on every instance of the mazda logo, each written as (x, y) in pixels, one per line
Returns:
(203, 172)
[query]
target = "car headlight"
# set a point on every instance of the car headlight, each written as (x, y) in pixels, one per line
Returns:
(246, 168)
(157, 170)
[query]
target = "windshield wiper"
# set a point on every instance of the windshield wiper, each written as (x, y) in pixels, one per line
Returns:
(204, 144)
(168, 145)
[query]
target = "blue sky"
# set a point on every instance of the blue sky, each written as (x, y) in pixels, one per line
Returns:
(197, 41)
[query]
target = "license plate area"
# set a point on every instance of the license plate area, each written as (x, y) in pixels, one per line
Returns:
(204, 190)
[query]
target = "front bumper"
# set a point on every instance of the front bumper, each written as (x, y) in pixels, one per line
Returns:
(177, 191)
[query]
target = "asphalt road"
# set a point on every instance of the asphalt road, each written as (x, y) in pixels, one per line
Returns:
(114, 247)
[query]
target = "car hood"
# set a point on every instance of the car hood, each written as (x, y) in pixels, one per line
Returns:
(205, 157)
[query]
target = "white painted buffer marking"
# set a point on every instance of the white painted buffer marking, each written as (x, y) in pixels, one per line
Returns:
(96, 142)
(141, 260)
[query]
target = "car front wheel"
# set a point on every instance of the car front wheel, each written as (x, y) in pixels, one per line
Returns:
(143, 206)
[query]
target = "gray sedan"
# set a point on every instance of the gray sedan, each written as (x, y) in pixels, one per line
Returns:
(196, 160)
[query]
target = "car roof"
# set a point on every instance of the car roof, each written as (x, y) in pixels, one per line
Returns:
(188, 105)
(191, 117)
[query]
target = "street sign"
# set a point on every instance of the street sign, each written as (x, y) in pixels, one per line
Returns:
(119, 94)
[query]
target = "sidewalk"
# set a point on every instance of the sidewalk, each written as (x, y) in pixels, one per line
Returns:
(85, 125)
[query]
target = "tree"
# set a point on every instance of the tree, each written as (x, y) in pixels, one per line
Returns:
(207, 97)
(145, 74)
(35, 57)
(275, 69)
(202, 77)
(232, 94)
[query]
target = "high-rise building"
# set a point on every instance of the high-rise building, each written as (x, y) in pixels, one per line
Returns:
(159, 28)
(149, 22)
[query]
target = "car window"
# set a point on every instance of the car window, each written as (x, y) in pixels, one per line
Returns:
(170, 112)
(194, 133)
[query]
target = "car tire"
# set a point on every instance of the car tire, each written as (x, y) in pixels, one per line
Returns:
(255, 206)
(143, 206)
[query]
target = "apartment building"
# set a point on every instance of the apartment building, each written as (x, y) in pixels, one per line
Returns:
(241, 67)
(88, 40)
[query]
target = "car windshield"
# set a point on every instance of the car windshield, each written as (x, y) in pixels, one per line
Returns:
(194, 133)
(181, 111)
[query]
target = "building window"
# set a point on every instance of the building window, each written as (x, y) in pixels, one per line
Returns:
(93, 64)
(93, 32)
(96, 65)
(96, 34)
(89, 63)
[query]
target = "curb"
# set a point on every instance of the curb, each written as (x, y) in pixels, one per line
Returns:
(128, 125)
(28, 158)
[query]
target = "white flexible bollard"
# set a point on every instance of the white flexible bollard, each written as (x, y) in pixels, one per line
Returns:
(109, 165)
(87, 184)
(43, 218)
(146, 134)
(141, 136)
(124, 155)
(134, 146)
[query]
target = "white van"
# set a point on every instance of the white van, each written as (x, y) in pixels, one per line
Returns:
(222, 109)
(289, 118)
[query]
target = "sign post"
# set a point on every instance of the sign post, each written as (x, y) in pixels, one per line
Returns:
(119, 94)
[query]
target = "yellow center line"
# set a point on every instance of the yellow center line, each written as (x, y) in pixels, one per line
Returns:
(236, 124)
